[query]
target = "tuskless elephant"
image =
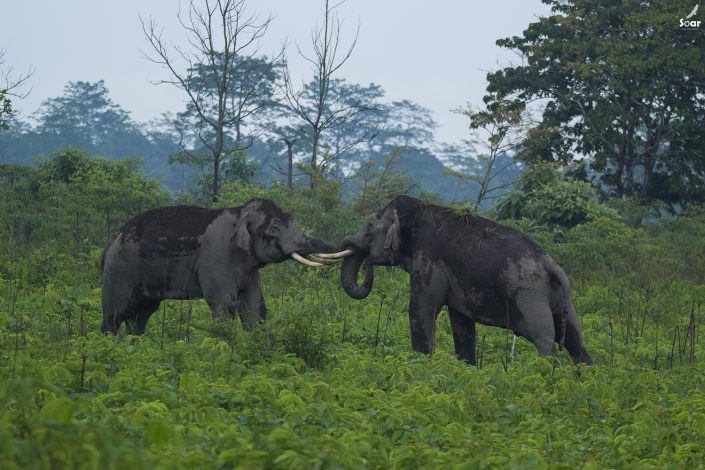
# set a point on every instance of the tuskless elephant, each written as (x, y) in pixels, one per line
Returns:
(185, 252)
(482, 271)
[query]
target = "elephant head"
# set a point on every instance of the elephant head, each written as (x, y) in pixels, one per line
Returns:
(379, 243)
(273, 236)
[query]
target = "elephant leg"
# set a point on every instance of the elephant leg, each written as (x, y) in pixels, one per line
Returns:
(226, 305)
(110, 324)
(537, 321)
(464, 336)
(425, 304)
(138, 322)
(252, 308)
(221, 298)
(118, 305)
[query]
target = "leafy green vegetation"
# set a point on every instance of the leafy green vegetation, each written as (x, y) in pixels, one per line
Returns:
(617, 87)
(592, 146)
(328, 381)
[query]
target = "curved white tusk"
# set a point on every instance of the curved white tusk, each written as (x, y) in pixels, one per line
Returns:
(327, 262)
(338, 255)
(303, 260)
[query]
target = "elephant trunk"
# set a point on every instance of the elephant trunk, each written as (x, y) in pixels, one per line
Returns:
(348, 276)
(314, 245)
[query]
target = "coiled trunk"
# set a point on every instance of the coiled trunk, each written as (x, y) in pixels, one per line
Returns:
(348, 276)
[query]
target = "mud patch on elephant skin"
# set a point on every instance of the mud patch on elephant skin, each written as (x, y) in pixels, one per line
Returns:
(170, 222)
(473, 298)
(526, 273)
(465, 298)
(422, 269)
(183, 246)
(533, 275)
(510, 277)
(168, 231)
(267, 211)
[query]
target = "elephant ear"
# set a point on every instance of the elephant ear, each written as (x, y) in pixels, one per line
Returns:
(393, 236)
(241, 237)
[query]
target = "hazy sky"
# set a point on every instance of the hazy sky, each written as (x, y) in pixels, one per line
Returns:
(435, 53)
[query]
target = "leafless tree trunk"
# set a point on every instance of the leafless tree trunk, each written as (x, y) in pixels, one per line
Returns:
(224, 40)
(290, 161)
(493, 132)
(327, 59)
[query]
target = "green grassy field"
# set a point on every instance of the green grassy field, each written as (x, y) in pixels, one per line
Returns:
(329, 382)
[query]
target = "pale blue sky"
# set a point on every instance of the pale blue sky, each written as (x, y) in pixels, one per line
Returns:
(435, 53)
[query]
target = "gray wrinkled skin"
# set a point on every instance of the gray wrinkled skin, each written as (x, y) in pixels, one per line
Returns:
(482, 271)
(185, 252)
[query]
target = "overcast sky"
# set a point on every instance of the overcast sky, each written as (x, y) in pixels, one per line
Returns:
(435, 53)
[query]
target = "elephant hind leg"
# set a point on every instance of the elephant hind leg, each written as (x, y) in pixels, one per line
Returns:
(110, 322)
(118, 306)
(138, 322)
(537, 322)
(464, 336)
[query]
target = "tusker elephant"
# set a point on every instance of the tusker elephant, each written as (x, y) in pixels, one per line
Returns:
(185, 252)
(482, 271)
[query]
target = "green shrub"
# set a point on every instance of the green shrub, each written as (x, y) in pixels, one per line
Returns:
(328, 382)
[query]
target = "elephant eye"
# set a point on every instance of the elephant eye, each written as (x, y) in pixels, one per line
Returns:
(274, 230)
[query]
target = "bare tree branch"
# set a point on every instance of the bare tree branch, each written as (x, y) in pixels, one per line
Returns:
(316, 111)
(224, 44)
(11, 85)
(495, 131)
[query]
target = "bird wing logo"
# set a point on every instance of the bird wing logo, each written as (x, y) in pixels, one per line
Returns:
(687, 23)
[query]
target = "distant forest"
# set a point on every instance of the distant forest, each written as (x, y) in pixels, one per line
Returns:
(614, 106)
(396, 137)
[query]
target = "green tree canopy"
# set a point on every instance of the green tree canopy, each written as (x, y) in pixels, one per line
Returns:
(86, 116)
(618, 82)
(5, 110)
(75, 198)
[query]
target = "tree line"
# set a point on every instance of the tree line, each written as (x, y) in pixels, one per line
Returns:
(606, 93)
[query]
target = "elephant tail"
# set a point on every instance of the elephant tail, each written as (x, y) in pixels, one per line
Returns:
(105, 252)
(565, 318)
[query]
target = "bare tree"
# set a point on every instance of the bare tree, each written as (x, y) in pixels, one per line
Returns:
(314, 105)
(289, 161)
(10, 86)
(216, 75)
(496, 130)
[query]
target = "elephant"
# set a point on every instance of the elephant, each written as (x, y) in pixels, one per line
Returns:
(185, 252)
(482, 271)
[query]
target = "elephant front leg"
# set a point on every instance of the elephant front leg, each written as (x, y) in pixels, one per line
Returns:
(220, 292)
(464, 336)
(252, 309)
(424, 306)
(223, 306)
(222, 300)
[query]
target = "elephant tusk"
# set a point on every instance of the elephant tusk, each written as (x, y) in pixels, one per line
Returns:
(303, 260)
(338, 255)
(327, 262)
